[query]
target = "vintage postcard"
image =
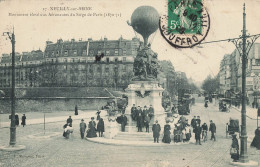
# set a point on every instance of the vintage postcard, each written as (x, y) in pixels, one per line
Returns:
(140, 83)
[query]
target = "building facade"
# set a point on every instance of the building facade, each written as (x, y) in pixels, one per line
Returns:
(73, 63)
(231, 71)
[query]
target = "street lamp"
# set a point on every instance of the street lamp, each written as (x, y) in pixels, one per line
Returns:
(12, 144)
(13, 126)
(243, 45)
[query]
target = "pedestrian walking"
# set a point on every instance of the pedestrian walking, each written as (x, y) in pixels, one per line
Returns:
(197, 131)
(212, 129)
(100, 127)
(76, 110)
(156, 131)
(23, 120)
(82, 127)
(234, 150)
(204, 131)
(198, 120)
(91, 132)
(166, 133)
(69, 121)
(123, 122)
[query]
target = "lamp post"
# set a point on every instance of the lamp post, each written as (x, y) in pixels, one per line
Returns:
(243, 45)
(12, 127)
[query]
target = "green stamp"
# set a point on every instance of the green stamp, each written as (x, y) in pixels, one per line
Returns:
(186, 23)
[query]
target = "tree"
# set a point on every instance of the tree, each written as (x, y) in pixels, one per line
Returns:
(211, 85)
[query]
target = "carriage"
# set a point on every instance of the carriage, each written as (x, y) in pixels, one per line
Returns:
(223, 104)
(232, 127)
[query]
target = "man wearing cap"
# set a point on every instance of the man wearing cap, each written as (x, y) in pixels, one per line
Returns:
(212, 129)
(83, 127)
(156, 131)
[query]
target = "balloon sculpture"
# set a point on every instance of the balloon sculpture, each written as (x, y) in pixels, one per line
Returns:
(145, 21)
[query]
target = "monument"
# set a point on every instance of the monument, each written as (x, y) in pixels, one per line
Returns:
(144, 90)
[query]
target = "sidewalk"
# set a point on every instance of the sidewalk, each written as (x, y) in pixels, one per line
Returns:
(38, 117)
(250, 112)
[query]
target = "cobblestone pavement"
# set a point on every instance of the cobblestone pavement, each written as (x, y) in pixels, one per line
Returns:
(52, 149)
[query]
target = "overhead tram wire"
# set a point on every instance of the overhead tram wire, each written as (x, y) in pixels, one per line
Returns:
(223, 40)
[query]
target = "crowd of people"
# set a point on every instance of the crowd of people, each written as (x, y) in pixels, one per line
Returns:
(142, 116)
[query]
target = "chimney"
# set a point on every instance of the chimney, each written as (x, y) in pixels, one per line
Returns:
(72, 40)
(90, 39)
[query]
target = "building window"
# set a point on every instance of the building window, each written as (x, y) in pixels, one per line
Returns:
(75, 52)
(257, 62)
(116, 59)
(99, 52)
(107, 52)
(124, 68)
(124, 52)
(66, 53)
(116, 51)
(57, 53)
(124, 59)
(84, 52)
(107, 60)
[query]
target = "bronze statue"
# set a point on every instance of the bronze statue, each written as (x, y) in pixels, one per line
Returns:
(145, 21)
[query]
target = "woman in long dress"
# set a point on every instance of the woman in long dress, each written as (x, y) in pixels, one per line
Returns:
(91, 132)
(234, 150)
(167, 133)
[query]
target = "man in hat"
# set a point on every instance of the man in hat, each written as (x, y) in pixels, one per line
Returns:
(133, 112)
(139, 119)
(197, 130)
(198, 120)
(83, 127)
(123, 122)
(151, 111)
(193, 122)
(156, 131)
(69, 121)
(212, 129)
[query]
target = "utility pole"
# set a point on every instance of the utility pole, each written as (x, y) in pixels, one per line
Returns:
(13, 126)
(243, 45)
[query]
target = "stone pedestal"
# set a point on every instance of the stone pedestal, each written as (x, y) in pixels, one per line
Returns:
(145, 93)
(111, 129)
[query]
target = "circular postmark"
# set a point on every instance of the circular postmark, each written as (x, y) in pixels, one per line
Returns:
(186, 23)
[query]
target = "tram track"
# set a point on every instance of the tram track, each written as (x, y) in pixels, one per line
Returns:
(207, 151)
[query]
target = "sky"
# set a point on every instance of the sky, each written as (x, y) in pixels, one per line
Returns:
(32, 32)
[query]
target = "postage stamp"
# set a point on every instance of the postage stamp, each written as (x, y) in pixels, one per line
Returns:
(186, 23)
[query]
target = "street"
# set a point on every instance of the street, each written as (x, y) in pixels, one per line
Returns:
(52, 149)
